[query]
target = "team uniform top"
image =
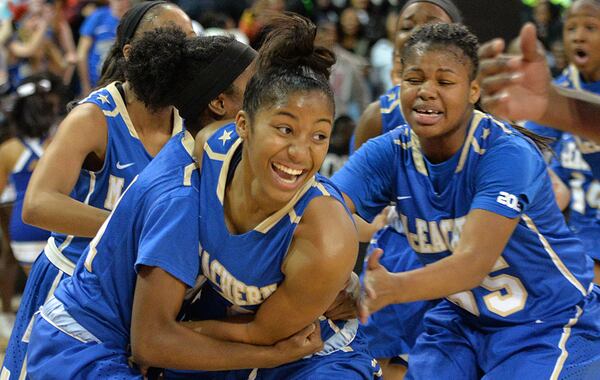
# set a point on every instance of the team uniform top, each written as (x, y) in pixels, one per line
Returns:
(584, 216)
(125, 158)
(101, 27)
(19, 177)
(391, 112)
(155, 224)
(542, 269)
(244, 270)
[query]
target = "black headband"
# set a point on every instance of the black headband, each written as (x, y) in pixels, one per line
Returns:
(215, 78)
(132, 18)
(447, 5)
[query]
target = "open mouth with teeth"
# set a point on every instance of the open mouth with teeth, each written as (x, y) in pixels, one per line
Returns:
(289, 177)
(580, 57)
(427, 116)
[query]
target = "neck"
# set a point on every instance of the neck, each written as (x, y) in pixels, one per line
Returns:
(244, 206)
(145, 119)
(442, 148)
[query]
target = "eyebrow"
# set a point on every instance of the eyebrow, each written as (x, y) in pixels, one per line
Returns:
(285, 113)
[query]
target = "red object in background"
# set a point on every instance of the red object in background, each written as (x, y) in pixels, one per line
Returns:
(17, 10)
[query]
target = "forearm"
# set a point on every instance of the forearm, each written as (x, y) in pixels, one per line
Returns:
(234, 331)
(182, 348)
(448, 276)
(61, 213)
(572, 115)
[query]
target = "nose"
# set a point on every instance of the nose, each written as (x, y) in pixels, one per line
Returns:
(299, 150)
(427, 90)
(578, 34)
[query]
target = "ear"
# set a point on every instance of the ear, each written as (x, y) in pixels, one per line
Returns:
(242, 124)
(126, 51)
(217, 105)
(474, 92)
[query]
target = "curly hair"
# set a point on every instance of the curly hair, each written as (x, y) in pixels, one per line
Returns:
(445, 36)
(163, 61)
(288, 62)
(113, 66)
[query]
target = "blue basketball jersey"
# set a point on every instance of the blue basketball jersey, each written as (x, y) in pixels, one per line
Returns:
(391, 111)
(155, 224)
(542, 269)
(19, 178)
(125, 158)
(571, 78)
(243, 270)
(584, 215)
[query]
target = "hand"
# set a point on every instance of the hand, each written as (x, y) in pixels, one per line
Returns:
(379, 287)
(344, 305)
(515, 87)
(305, 342)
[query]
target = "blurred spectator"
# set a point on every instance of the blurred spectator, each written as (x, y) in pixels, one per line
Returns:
(97, 35)
(382, 56)
(339, 144)
(42, 42)
(348, 80)
(559, 57)
(351, 32)
(253, 18)
(220, 24)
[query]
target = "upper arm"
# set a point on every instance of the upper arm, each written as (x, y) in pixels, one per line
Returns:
(157, 299)
(9, 152)
(369, 125)
(325, 247)
(82, 132)
(83, 47)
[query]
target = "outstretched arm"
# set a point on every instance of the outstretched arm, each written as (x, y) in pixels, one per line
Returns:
(519, 88)
(483, 238)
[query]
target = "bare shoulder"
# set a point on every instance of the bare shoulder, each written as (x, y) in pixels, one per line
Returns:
(10, 150)
(369, 125)
(85, 126)
(329, 227)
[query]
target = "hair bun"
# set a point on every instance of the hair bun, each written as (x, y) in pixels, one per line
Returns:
(290, 43)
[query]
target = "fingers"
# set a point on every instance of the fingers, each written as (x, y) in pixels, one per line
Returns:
(308, 330)
(499, 64)
(494, 83)
(529, 44)
(491, 49)
(496, 104)
(363, 311)
(373, 262)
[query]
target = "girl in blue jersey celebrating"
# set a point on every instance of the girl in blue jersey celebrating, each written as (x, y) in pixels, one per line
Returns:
(392, 331)
(476, 202)
(99, 148)
(277, 240)
(35, 112)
